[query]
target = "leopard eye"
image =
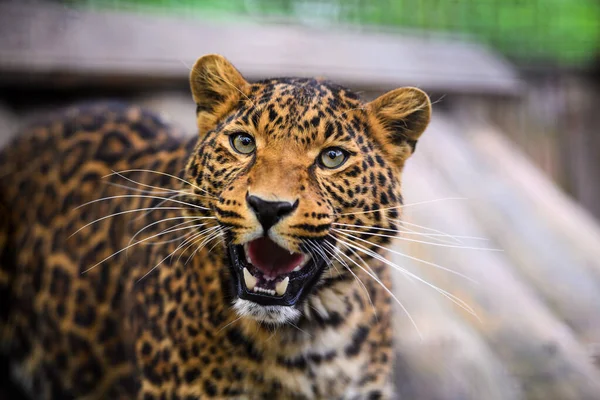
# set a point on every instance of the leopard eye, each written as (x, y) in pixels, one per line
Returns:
(242, 143)
(333, 157)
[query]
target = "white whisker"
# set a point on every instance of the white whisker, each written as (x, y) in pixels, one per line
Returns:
(410, 257)
(418, 241)
(146, 191)
(201, 236)
(456, 300)
(345, 265)
(455, 237)
(303, 331)
(124, 212)
(220, 230)
(158, 205)
(192, 218)
(158, 173)
(130, 246)
(409, 232)
(142, 196)
(235, 320)
(376, 279)
(173, 229)
(158, 187)
(404, 205)
(162, 261)
(185, 235)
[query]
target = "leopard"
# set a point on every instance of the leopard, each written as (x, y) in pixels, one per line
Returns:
(247, 261)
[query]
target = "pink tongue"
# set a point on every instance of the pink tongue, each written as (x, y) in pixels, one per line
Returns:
(271, 259)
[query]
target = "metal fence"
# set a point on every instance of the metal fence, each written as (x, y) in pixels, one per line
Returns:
(558, 32)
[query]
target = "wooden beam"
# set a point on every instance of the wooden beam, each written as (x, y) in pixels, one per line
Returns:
(40, 43)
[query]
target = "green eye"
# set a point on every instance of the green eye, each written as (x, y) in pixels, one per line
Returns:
(332, 157)
(242, 143)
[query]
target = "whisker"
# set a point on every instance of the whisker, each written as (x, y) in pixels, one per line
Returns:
(433, 236)
(172, 229)
(411, 232)
(157, 265)
(162, 191)
(214, 235)
(275, 330)
(185, 235)
(192, 218)
(158, 173)
(130, 246)
(189, 242)
(374, 277)
(301, 330)
(160, 203)
(419, 241)
(323, 254)
(404, 205)
(220, 235)
(142, 196)
(207, 240)
(201, 236)
(124, 212)
(442, 233)
(158, 187)
(345, 265)
(235, 320)
(160, 263)
(412, 258)
(146, 191)
(456, 300)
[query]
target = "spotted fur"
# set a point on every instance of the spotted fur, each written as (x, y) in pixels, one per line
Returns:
(77, 324)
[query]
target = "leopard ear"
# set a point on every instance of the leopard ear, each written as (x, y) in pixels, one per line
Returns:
(215, 85)
(397, 120)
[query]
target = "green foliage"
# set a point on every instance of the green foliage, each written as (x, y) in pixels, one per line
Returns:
(564, 32)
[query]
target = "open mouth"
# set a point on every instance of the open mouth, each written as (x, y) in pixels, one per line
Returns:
(268, 274)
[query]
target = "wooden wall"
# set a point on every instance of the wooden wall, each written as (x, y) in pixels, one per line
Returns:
(556, 122)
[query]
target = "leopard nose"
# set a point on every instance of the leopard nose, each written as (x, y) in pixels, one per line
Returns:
(269, 213)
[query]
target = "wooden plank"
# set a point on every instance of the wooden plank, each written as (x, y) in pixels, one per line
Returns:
(46, 40)
(538, 329)
(446, 358)
(577, 227)
(547, 237)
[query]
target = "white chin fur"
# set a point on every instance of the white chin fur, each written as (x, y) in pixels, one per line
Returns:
(269, 314)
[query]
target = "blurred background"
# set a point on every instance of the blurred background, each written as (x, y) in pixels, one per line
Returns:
(503, 193)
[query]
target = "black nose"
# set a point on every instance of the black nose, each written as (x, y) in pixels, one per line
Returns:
(269, 212)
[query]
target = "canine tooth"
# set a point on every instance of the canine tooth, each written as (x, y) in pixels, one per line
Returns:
(249, 279)
(281, 287)
(298, 268)
(247, 253)
(291, 252)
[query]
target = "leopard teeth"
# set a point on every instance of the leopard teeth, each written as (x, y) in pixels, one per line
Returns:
(302, 263)
(282, 286)
(249, 279)
(247, 253)
(266, 291)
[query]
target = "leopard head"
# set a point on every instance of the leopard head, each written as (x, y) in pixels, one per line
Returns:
(285, 162)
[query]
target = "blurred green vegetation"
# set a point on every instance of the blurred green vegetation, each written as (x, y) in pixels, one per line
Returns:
(557, 32)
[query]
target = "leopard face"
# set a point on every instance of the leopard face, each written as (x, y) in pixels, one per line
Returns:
(293, 169)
